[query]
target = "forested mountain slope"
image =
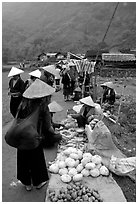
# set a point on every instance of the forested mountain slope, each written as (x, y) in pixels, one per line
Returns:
(29, 28)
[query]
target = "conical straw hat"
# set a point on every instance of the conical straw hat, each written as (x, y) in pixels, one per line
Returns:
(78, 89)
(54, 107)
(51, 69)
(88, 101)
(108, 84)
(35, 73)
(38, 89)
(15, 71)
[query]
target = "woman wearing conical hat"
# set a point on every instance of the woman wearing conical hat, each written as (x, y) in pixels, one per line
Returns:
(109, 93)
(31, 165)
(89, 109)
(16, 89)
(54, 107)
(33, 76)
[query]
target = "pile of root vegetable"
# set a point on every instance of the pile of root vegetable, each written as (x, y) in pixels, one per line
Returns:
(75, 192)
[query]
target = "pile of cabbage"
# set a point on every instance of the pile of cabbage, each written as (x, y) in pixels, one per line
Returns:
(73, 164)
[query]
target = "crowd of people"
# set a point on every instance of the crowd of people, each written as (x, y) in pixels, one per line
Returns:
(37, 92)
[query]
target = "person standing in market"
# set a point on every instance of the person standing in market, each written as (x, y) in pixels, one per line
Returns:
(73, 75)
(88, 110)
(31, 165)
(57, 79)
(16, 89)
(33, 76)
(48, 74)
(66, 81)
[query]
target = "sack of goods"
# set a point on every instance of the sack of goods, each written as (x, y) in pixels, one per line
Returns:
(23, 133)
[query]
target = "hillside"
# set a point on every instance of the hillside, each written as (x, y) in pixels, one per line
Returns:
(31, 28)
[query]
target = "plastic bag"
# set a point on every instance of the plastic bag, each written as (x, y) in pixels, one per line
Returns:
(122, 166)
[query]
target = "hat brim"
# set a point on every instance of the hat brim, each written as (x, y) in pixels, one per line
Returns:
(54, 107)
(15, 71)
(35, 73)
(111, 86)
(38, 89)
(51, 69)
(87, 101)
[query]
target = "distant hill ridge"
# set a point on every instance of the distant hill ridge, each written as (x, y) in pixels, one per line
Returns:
(33, 27)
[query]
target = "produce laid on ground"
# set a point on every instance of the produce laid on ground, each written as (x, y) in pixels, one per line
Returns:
(73, 137)
(75, 192)
(73, 164)
(69, 122)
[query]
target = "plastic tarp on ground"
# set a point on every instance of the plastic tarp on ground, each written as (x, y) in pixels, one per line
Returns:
(107, 187)
(100, 141)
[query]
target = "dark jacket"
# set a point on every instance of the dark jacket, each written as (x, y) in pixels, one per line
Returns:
(109, 96)
(66, 80)
(19, 87)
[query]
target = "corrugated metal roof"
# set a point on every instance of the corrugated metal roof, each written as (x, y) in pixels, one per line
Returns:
(118, 57)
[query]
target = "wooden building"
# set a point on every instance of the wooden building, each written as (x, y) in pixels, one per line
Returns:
(91, 55)
(119, 60)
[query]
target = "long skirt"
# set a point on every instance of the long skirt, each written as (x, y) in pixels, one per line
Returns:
(31, 166)
(66, 90)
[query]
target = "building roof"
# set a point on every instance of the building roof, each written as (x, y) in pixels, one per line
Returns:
(118, 57)
(91, 53)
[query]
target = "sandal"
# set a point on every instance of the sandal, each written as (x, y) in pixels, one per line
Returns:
(28, 188)
(41, 184)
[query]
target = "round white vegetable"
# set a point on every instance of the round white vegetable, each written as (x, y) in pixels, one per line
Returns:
(98, 166)
(65, 178)
(87, 154)
(63, 171)
(54, 168)
(90, 166)
(61, 164)
(85, 160)
(76, 163)
(74, 156)
(80, 154)
(79, 167)
(77, 177)
(66, 152)
(96, 159)
(104, 171)
(85, 172)
(94, 172)
(61, 157)
(70, 162)
(72, 150)
(72, 172)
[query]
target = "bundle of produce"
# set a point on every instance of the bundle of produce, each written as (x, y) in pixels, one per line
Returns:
(67, 133)
(69, 122)
(73, 139)
(75, 192)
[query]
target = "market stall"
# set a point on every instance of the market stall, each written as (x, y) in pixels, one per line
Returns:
(82, 170)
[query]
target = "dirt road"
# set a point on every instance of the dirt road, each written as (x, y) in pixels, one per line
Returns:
(12, 190)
